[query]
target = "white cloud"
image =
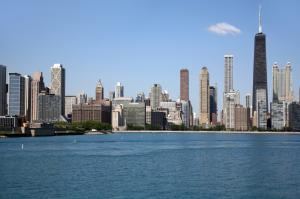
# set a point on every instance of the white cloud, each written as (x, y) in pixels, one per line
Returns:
(224, 29)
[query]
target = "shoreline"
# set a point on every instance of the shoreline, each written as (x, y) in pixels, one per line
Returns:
(211, 132)
(154, 132)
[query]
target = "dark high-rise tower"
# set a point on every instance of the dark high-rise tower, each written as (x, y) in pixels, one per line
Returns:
(2, 90)
(260, 67)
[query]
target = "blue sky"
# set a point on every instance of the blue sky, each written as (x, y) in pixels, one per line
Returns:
(143, 42)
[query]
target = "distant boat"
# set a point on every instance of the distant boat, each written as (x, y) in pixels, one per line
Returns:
(22, 146)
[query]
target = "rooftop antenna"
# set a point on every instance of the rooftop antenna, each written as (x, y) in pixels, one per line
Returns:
(259, 20)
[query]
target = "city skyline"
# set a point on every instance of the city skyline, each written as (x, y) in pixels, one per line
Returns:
(164, 69)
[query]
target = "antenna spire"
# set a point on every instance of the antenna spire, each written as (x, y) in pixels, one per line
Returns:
(259, 20)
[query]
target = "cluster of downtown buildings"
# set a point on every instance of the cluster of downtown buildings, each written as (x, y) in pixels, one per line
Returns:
(26, 101)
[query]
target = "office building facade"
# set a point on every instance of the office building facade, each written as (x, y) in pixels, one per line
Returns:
(228, 73)
(58, 79)
(37, 86)
(155, 96)
(260, 69)
(16, 102)
(119, 90)
(204, 116)
(3, 96)
(49, 109)
(184, 84)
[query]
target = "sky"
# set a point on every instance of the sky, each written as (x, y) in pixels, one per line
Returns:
(142, 42)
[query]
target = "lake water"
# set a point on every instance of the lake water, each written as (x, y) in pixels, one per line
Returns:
(151, 165)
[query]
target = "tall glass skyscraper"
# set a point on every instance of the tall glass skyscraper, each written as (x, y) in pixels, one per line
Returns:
(260, 67)
(2, 90)
(16, 104)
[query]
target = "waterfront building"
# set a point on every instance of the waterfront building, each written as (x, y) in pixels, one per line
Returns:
(3, 96)
(16, 101)
(148, 114)
(119, 90)
(134, 114)
(248, 101)
(262, 110)
(158, 120)
(37, 85)
(260, 68)
(49, 108)
(204, 117)
(185, 108)
(27, 97)
(99, 92)
(279, 115)
(58, 81)
(173, 112)
(191, 114)
(9, 122)
(231, 99)
(195, 120)
(294, 116)
(117, 115)
(155, 96)
(241, 121)
(184, 84)
(228, 70)
(100, 112)
(213, 99)
(282, 83)
(70, 100)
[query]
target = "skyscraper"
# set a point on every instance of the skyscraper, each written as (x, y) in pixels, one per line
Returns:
(248, 100)
(155, 98)
(119, 90)
(231, 99)
(58, 78)
(16, 102)
(262, 109)
(282, 83)
(99, 91)
(204, 97)
(3, 98)
(49, 109)
(260, 67)
(184, 84)
(228, 76)
(37, 85)
(69, 102)
(249, 107)
(27, 97)
(213, 104)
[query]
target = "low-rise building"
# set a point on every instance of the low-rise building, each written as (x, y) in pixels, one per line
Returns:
(100, 112)
(241, 118)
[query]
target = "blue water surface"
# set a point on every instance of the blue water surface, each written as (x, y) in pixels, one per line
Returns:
(151, 165)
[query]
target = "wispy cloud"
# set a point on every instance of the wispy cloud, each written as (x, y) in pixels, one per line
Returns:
(224, 29)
